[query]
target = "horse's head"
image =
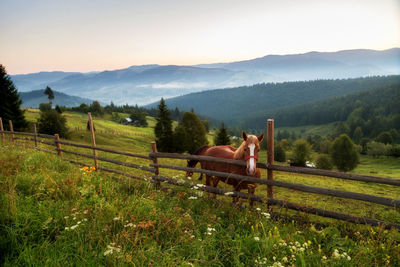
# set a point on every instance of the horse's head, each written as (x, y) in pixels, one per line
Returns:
(190, 164)
(249, 153)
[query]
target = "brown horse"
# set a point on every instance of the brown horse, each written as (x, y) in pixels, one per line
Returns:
(247, 151)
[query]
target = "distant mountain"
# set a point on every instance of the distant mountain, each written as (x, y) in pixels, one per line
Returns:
(239, 106)
(148, 83)
(321, 65)
(32, 99)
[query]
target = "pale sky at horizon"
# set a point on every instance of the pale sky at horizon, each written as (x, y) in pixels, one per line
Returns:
(49, 35)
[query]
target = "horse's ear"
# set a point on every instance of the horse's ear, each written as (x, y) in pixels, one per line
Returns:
(261, 137)
(244, 135)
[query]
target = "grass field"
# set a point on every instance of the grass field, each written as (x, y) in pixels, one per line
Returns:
(128, 222)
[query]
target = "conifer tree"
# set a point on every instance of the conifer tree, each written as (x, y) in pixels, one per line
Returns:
(163, 129)
(222, 137)
(49, 93)
(195, 132)
(10, 103)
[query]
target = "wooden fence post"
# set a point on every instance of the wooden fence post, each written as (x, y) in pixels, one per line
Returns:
(270, 153)
(2, 129)
(155, 161)
(35, 132)
(58, 145)
(11, 130)
(93, 140)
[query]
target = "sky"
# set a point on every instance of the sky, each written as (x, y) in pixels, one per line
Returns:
(94, 35)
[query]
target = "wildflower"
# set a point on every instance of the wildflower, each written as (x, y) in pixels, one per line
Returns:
(336, 253)
(258, 209)
(130, 225)
(85, 220)
(266, 215)
(256, 238)
(324, 258)
(285, 259)
(66, 228)
(200, 185)
(192, 198)
(116, 219)
(74, 226)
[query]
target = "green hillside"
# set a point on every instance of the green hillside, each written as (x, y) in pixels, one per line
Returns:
(236, 106)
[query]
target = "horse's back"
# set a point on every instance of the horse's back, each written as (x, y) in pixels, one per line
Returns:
(220, 152)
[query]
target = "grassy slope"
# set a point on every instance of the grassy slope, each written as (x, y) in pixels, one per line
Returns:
(52, 212)
(124, 137)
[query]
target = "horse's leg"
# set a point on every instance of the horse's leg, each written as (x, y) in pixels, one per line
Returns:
(237, 189)
(215, 184)
(251, 190)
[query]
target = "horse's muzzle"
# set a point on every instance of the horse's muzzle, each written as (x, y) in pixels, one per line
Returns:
(250, 172)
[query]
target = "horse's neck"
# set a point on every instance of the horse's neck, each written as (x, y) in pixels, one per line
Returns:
(239, 153)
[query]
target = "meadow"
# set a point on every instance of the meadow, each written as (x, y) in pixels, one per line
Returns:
(57, 213)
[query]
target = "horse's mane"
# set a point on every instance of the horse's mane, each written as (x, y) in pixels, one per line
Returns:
(239, 153)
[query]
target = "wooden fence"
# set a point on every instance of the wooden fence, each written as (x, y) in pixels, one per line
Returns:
(157, 179)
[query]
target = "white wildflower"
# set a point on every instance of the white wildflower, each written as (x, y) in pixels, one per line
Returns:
(73, 227)
(258, 209)
(66, 217)
(116, 219)
(110, 251)
(285, 259)
(256, 238)
(266, 215)
(201, 185)
(324, 258)
(336, 253)
(192, 197)
(195, 187)
(67, 229)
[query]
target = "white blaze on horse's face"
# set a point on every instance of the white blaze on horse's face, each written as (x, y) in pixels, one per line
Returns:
(251, 165)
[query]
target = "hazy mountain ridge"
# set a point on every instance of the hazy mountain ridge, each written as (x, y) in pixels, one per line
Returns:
(148, 83)
(33, 99)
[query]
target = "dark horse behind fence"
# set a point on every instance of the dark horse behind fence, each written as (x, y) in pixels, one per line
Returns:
(247, 151)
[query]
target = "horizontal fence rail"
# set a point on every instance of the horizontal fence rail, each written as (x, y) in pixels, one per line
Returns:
(312, 171)
(305, 188)
(145, 168)
(103, 149)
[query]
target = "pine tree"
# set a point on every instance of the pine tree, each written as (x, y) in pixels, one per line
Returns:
(49, 93)
(222, 137)
(163, 129)
(195, 132)
(10, 103)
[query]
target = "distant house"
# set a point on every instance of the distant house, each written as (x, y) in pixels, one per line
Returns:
(128, 121)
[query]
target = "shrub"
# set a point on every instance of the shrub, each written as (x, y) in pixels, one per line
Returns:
(301, 153)
(376, 149)
(279, 153)
(344, 154)
(394, 151)
(324, 162)
(52, 122)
